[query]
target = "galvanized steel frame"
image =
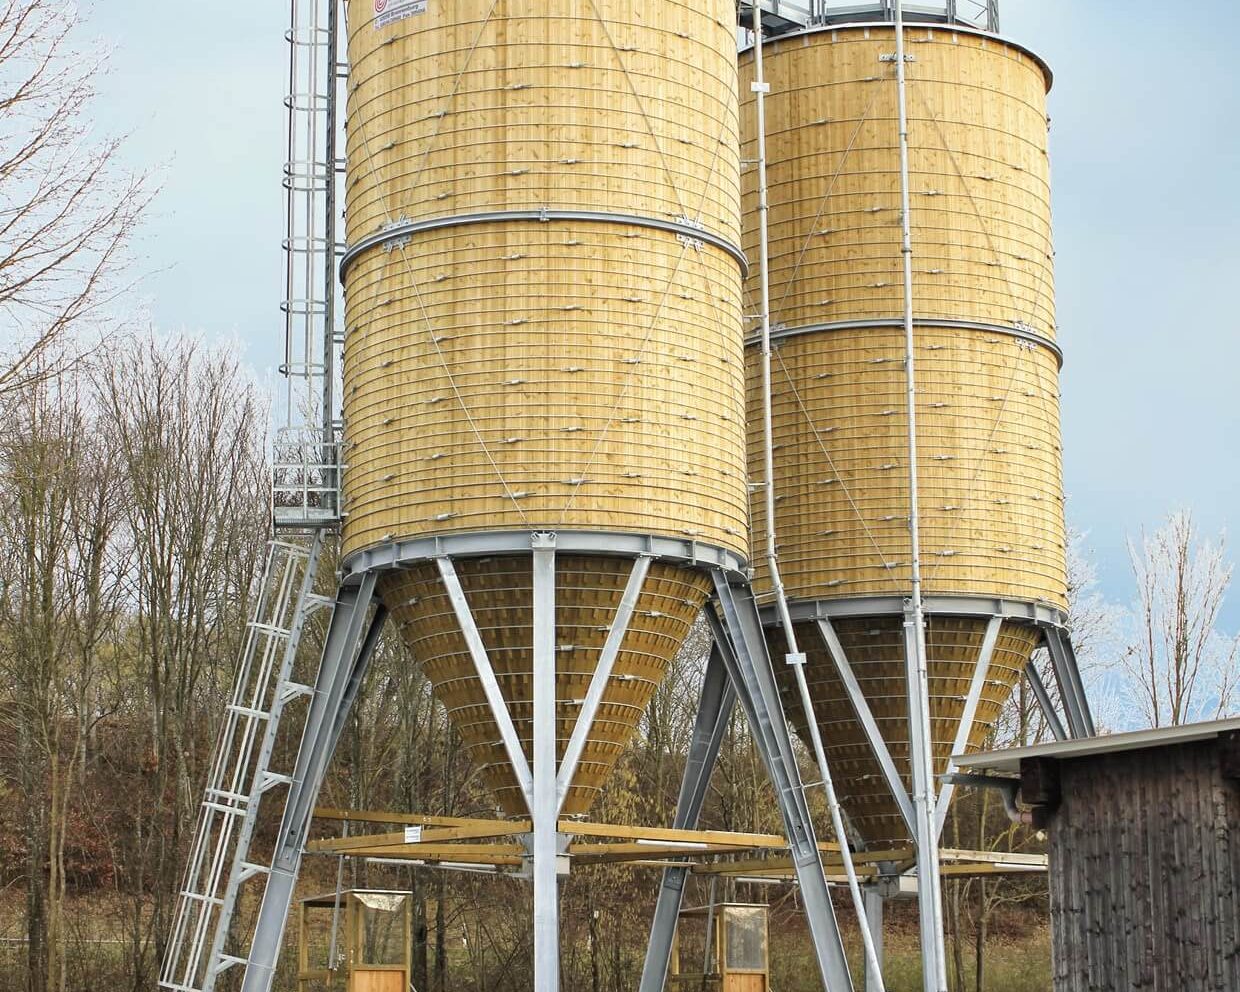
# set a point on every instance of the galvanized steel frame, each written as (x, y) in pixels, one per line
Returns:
(1034, 678)
(1050, 620)
(346, 656)
(996, 611)
(240, 777)
(980, 674)
(873, 736)
(542, 786)
(486, 676)
(476, 544)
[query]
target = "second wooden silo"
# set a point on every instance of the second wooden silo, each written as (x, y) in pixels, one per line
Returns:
(991, 504)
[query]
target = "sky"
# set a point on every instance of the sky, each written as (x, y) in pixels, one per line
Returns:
(1145, 154)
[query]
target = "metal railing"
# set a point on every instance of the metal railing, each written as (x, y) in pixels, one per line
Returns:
(199, 948)
(305, 480)
(981, 14)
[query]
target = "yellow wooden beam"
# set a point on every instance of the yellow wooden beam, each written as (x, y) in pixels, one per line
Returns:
(466, 828)
(435, 835)
(411, 819)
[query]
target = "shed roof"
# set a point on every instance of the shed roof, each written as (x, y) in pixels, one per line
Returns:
(1007, 762)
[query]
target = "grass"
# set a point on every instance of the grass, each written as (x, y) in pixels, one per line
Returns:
(1014, 963)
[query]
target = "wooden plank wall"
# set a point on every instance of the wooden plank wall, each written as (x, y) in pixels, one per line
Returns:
(545, 375)
(991, 459)
(1145, 873)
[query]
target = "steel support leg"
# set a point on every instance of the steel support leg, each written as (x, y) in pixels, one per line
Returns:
(714, 711)
(337, 672)
(1071, 689)
(544, 812)
(925, 834)
(738, 635)
(874, 904)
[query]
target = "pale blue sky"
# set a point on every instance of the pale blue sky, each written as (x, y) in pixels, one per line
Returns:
(1146, 156)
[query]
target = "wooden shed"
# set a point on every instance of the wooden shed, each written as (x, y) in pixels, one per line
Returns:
(1144, 836)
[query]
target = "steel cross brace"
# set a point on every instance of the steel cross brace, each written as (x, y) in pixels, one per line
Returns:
(1044, 702)
(1071, 690)
(980, 674)
(543, 785)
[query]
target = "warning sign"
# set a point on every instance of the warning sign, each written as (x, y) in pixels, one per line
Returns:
(413, 835)
(390, 11)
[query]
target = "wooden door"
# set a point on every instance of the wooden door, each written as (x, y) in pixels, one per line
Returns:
(379, 980)
(754, 982)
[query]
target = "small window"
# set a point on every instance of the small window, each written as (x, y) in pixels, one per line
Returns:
(383, 928)
(745, 935)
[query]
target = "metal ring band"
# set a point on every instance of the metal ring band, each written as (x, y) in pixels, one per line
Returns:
(397, 231)
(965, 325)
(980, 607)
(476, 544)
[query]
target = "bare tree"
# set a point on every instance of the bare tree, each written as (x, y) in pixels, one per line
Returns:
(189, 433)
(58, 619)
(1180, 667)
(67, 208)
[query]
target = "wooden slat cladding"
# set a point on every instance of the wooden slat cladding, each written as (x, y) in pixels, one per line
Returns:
(875, 649)
(990, 465)
(623, 105)
(988, 402)
(588, 591)
(544, 374)
(600, 366)
(980, 179)
(1145, 873)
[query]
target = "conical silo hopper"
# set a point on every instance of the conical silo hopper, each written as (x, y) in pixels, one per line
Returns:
(991, 499)
(543, 336)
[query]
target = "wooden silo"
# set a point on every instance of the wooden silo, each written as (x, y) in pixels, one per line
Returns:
(543, 335)
(991, 499)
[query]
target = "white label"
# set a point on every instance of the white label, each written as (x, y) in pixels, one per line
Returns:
(413, 835)
(390, 11)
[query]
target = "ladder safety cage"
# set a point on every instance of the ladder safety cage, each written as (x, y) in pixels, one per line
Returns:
(305, 504)
(311, 298)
